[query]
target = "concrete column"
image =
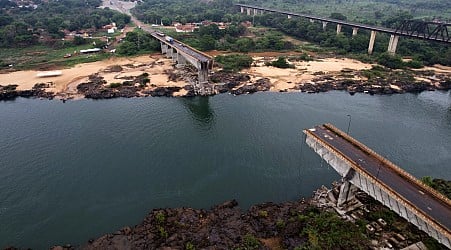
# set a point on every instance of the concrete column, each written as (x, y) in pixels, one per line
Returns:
(324, 26)
(242, 9)
(174, 55)
(248, 11)
(311, 20)
(338, 29)
(169, 52)
(164, 48)
(255, 12)
(262, 12)
(354, 31)
(393, 44)
(180, 59)
(372, 39)
(347, 192)
(289, 16)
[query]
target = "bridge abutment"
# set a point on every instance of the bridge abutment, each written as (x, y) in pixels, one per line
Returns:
(372, 40)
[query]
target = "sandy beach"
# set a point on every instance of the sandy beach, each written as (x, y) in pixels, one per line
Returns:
(158, 68)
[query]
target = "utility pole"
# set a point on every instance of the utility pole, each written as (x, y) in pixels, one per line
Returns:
(349, 124)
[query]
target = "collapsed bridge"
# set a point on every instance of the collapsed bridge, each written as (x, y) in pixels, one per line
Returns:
(363, 168)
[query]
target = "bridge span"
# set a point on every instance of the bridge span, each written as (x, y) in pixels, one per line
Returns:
(432, 31)
(178, 51)
(360, 166)
(182, 53)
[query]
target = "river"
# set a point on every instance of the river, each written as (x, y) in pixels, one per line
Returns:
(74, 171)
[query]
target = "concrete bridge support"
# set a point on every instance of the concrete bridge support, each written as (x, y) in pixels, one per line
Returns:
(180, 59)
(289, 16)
(354, 31)
(242, 9)
(372, 39)
(175, 55)
(324, 26)
(248, 11)
(311, 20)
(164, 48)
(338, 29)
(375, 189)
(169, 52)
(393, 44)
(255, 12)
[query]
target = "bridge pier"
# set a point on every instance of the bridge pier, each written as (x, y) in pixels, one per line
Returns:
(338, 29)
(248, 11)
(354, 31)
(242, 9)
(289, 16)
(255, 12)
(393, 44)
(371, 44)
(164, 48)
(169, 52)
(324, 26)
(180, 59)
(174, 55)
(311, 20)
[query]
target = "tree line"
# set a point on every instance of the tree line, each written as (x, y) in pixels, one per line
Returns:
(21, 27)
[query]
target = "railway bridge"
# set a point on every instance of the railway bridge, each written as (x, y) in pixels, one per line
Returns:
(431, 31)
(363, 168)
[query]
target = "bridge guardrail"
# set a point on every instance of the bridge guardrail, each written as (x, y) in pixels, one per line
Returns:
(390, 164)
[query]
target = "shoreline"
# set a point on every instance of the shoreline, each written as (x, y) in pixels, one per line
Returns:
(267, 225)
(156, 76)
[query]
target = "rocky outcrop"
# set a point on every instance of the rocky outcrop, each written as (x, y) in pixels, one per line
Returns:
(10, 92)
(222, 227)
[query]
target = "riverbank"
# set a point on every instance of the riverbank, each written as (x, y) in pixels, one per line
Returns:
(305, 224)
(157, 76)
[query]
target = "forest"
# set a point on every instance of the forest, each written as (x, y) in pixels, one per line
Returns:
(21, 27)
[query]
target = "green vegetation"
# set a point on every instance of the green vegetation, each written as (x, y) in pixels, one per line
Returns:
(235, 62)
(160, 218)
(115, 85)
(43, 57)
(325, 230)
(442, 186)
(365, 11)
(250, 242)
(20, 27)
(137, 42)
(189, 246)
(281, 62)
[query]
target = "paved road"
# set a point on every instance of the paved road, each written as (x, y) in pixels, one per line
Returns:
(418, 196)
(347, 23)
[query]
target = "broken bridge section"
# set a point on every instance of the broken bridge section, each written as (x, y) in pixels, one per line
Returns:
(384, 181)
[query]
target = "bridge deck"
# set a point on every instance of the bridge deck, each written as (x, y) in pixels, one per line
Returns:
(434, 206)
(200, 56)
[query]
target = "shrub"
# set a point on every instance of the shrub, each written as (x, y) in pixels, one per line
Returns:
(233, 63)
(282, 63)
(115, 85)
